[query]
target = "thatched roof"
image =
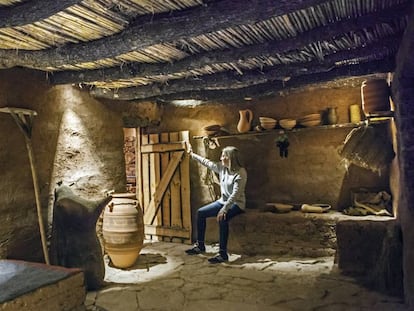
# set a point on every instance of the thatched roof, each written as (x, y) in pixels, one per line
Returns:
(207, 49)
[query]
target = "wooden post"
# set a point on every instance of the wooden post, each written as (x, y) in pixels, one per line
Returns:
(23, 119)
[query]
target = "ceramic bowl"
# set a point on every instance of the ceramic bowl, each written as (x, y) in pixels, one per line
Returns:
(267, 119)
(287, 124)
(311, 117)
(212, 129)
(268, 125)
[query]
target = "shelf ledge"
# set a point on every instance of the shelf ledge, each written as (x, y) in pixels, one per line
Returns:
(298, 129)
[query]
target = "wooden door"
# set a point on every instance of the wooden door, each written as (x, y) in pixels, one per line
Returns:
(163, 185)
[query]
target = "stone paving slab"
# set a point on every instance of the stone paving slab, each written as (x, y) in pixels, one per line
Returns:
(165, 278)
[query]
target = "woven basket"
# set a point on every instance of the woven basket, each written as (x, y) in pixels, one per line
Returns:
(365, 147)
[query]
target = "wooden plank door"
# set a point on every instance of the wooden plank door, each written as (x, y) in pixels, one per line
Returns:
(163, 185)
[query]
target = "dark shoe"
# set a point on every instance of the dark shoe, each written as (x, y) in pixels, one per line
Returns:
(218, 259)
(195, 250)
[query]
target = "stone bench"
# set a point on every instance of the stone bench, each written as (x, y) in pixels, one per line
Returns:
(37, 287)
(292, 234)
(368, 247)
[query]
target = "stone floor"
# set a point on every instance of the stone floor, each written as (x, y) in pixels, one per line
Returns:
(165, 278)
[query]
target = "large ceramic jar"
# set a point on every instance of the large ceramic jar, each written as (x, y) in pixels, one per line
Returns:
(123, 229)
(375, 96)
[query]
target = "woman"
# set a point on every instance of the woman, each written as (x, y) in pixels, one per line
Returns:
(233, 178)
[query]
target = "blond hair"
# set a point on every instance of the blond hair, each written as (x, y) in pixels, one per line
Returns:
(234, 157)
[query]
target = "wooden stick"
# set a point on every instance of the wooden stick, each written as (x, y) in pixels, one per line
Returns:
(37, 197)
(23, 119)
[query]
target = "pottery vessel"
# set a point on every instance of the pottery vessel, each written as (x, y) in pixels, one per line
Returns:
(245, 120)
(375, 95)
(123, 229)
(332, 115)
(354, 113)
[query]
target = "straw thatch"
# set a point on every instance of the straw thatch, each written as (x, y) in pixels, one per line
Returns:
(139, 49)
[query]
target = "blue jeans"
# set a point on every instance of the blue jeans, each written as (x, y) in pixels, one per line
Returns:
(211, 210)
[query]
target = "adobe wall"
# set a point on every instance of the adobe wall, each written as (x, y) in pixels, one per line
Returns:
(75, 139)
(79, 139)
(313, 172)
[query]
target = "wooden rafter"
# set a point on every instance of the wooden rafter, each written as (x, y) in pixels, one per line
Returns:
(226, 80)
(274, 87)
(32, 11)
(266, 49)
(145, 32)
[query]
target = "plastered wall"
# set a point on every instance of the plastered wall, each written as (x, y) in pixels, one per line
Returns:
(75, 139)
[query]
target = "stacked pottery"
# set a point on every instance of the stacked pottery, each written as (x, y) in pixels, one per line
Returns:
(267, 123)
(123, 229)
(309, 120)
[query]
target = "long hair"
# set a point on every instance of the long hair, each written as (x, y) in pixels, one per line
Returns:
(234, 157)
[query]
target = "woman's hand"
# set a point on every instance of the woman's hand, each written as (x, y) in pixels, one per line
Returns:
(189, 148)
(221, 216)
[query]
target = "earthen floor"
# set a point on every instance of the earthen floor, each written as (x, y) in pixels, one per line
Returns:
(165, 278)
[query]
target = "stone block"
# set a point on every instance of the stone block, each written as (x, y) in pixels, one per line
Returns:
(294, 233)
(372, 251)
(38, 287)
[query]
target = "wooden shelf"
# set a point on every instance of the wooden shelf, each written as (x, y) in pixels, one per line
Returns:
(299, 129)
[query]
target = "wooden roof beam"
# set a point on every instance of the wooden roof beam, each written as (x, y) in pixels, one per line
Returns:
(275, 87)
(149, 30)
(226, 80)
(131, 70)
(32, 11)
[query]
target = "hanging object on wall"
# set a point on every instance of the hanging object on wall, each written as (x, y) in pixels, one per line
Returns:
(123, 229)
(24, 120)
(375, 96)
(282, 142)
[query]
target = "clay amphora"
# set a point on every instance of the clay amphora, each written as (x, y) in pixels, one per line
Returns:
(123, 229)
(245, 121)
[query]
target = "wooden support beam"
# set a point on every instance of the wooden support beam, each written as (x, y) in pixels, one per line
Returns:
(128, 71)
(149, 30)
(167, 231)
(29, 12)
(163, 147)
(225, 80)
(153, 207)
(275, 87)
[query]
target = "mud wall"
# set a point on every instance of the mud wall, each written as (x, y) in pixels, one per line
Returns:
(75, 140)
(313, 172)
(79, 140)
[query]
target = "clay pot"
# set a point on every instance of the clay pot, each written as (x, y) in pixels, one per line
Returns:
(354, 113)
(123, 229)
(245, 120)
(332, 115)
(375, 95)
